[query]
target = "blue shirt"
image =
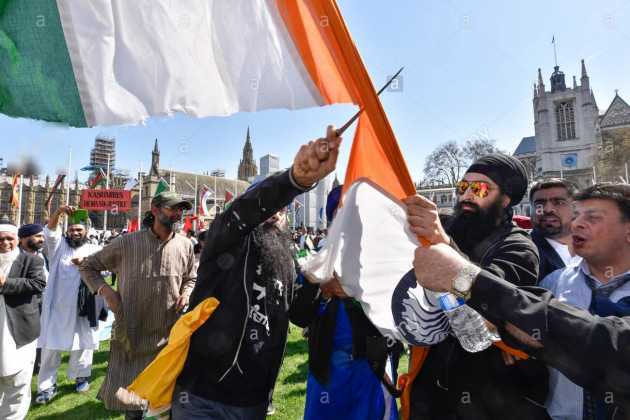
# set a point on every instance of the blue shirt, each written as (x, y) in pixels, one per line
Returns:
(569, 285)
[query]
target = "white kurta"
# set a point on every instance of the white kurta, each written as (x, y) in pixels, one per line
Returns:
(61, 327)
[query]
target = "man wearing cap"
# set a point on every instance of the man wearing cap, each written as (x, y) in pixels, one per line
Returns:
(156, 274)
(491, 384)
(31, 241)
(21, 285)
(63, 329)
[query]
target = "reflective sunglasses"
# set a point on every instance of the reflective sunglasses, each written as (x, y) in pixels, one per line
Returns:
(480, 189)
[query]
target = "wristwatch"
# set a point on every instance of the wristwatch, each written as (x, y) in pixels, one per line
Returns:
(464, 280)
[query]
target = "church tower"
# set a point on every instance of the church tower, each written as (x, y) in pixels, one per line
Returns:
(247, 168)
(155, 161)
(565, 121)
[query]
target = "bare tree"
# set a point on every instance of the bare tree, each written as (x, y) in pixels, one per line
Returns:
(447, 163)
(475, 148)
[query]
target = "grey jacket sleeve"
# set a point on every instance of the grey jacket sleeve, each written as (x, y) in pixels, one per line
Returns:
(33, 281)
(592, 351)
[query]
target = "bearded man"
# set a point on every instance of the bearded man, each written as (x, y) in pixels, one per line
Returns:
(156, 274)
(63, 328)
(490, 384)
(248, 265)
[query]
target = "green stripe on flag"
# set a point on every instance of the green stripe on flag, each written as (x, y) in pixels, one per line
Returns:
(36, 77)
(162, 186)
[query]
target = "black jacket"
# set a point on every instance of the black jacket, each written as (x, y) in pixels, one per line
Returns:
(455, 384)
(226, 271)
(550, 261)
(592, 351)
(22, 293)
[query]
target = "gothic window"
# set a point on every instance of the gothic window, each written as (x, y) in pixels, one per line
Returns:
(565, 120)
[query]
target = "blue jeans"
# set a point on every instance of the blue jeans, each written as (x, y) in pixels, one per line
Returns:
(186, 406)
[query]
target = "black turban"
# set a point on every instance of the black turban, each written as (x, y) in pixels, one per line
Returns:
(506, 171)
(29, 230)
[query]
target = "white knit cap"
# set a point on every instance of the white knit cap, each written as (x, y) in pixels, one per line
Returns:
(8, 227)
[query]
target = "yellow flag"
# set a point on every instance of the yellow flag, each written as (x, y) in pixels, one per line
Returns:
(157, 381)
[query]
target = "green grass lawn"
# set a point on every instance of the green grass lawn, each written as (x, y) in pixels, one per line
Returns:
(68, 405)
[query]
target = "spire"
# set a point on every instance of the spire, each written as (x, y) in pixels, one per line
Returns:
(541, 84)
(584, 70)
(574, 82)
(155, 161)
(535, 91)
(247, 168)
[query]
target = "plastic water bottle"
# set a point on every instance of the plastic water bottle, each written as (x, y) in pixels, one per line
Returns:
(468, 326)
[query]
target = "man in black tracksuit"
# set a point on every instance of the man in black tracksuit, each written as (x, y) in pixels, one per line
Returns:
(491, 384)
(248, 265)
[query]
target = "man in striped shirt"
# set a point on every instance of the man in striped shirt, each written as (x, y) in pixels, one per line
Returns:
(156, 274)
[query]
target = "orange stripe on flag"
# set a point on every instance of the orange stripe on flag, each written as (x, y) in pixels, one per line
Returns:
(335, 66)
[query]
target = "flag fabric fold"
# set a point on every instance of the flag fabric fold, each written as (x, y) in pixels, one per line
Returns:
(156, 383)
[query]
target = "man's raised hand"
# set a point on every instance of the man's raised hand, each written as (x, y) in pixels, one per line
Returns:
(316, 159)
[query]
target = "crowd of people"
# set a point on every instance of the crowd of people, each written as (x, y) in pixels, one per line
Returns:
(558, 297)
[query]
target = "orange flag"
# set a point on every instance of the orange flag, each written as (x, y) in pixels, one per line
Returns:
(15, 191)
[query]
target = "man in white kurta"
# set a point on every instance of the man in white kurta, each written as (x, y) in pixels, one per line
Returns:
(62, 329)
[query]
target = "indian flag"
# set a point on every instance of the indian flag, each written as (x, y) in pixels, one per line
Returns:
(104, 62)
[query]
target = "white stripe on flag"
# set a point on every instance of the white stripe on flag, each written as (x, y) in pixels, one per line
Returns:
(132, 59)
(371, 247)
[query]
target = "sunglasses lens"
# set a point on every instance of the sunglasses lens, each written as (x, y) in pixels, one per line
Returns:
(480, 189)
(462, 186)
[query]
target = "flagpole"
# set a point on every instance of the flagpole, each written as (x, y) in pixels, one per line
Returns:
(194, 223)
(215, 195)
(106, 188)
(19, 215)
(65, 222)
(140, 195)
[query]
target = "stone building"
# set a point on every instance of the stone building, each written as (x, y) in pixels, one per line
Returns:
(614, 149)
(184, 183)
(34, 196)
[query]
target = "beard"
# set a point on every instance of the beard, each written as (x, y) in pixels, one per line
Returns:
(276, 259)
(75, 243)
(166, 221)
(550, 231)
(469, 227)
(34, 245)
(6, 260)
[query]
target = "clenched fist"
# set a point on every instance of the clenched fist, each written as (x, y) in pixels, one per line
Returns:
(316, 159)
